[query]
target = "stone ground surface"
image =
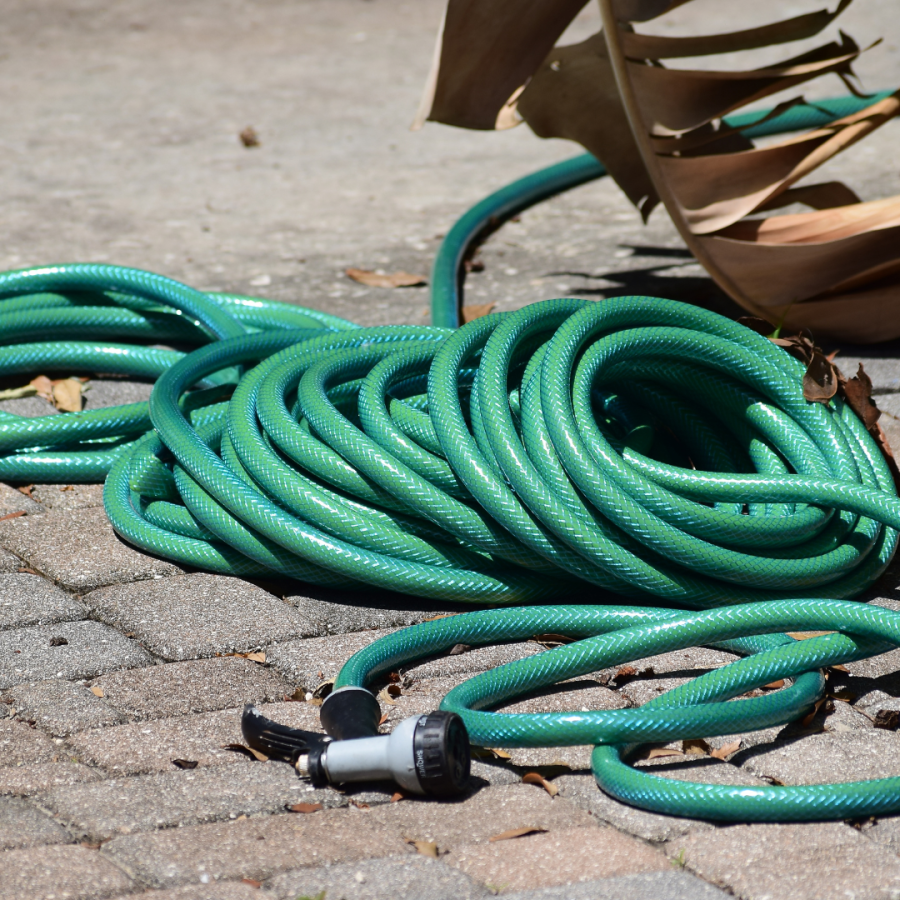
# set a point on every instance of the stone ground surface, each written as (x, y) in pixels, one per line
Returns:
(118, 126)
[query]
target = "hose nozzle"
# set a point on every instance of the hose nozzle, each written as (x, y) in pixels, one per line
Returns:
(425, 754)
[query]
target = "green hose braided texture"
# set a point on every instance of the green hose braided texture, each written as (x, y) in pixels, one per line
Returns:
(635, 446)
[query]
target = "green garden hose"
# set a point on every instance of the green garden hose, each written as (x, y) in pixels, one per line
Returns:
(567, 451)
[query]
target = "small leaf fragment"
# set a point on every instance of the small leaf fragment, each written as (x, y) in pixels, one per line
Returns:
(457, 649)
(247, 751)
(97, 691)
(185, 763)
(820, 381)
(889, 719)
(305, 808)
(248, 137)
(501, 754)
(397, 796)
(774, 685)
(475, 311)
(725, 750)
(516, 832)
(17, 393)
(695, 747)
(257, 657)
(658, 752)
(426, 848)
(67, 395)
(12, 515)
(535, 778)
(252, 882)
(380, 279)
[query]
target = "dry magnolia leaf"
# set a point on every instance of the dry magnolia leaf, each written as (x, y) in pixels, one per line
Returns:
(695, 747)
(725, 750)
(426, 848)
(535, 778)
(517, 832)
(380, 279)
(97, 690)
(471, 313)
(305, 807)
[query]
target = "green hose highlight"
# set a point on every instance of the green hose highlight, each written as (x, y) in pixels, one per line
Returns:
(570, 451)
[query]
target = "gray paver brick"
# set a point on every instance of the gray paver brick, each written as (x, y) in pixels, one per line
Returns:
(198, 615)
(23, 825)
(79, 550)
(9, 563)
(557, 857)
(826, 758)
(145, 747)
(60, 872)
(27, 780)
(204, 685)
(221, 890)
(815, 861)
(489, 812)
(21, 744)
(655, 885)
(38, 653)
(62, 707)
(31, 600)
(379, 879)
(252, 848)
(12, 500)
(68, 496)
(180, 797)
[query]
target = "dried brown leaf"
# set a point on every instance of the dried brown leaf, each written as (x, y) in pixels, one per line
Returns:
(97, 691)
(185, 763)
(426, 848)
(806, 635)
(516, 832)
(808, 718)
(535, 778)
(774, 685)
(305, 807)
(43, 386)
(695, 747)
(888, 719)
(843, 696)
(397, 796)
(359, 804)
(383, 280)
(725, 750)
(658, 752)
(248, 137)
(67, 395)
(475, 311)
(457, 649)
(12, 515)
(500, 754)
(17, 393)
(625, 673)
(820, 381)
(258, 657)
(383, 719)
(25, 489)
(858, 393)
(252, 882)
(247, 751)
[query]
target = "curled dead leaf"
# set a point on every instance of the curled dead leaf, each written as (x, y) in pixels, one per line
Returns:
(185, 763)
(383, 280)
(517, 832)
(725, 750)
(535, 778)
(305, 807)
(475, 311)
(820, 381)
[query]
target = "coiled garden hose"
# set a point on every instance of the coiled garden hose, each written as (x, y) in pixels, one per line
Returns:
(566, 451)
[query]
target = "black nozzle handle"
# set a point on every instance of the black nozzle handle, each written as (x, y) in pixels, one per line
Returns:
(279, 741)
